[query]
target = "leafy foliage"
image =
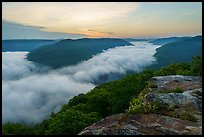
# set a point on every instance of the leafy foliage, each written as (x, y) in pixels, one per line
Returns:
(137, 106)
(185, 115)
(177, 90)
(17, 129)
(194, 68)
(175, 69)
(188, 116)
(110, 98)
(71, 122)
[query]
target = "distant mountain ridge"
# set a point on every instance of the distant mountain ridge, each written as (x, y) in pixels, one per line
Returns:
(24, 44)
(135, 40)
(70, 52)
(178, 51)
(163, 41)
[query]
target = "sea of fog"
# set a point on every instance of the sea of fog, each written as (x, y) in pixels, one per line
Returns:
(31, 92)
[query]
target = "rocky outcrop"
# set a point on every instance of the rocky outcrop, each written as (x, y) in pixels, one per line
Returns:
(142, 124)
(173, 81)
(183, 116)
(185, 99)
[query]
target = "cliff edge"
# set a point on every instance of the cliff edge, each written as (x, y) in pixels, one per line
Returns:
(169, 105)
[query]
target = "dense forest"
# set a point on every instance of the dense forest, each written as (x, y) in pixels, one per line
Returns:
(104, 100)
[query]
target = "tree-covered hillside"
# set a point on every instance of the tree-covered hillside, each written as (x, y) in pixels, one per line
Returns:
(163, 41)
(70, 52)
(178, 51)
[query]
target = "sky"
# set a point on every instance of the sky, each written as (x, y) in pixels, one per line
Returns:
(100, 19)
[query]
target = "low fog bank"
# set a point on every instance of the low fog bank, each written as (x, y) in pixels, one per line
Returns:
(31, 92)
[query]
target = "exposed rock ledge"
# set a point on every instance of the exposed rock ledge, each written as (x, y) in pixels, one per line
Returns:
(190, 100)
(142, 124)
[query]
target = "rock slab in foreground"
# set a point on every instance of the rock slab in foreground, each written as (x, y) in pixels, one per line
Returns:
(142, 124)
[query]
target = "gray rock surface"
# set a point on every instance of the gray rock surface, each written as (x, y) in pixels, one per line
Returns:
(185, 99)
(142, 124)
(172, 81)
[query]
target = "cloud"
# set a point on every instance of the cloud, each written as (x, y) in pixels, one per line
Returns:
(31, 99)
(30, 95)
(116, 60)
(95, 33)
(64, 16)
(13, 30)
(15, 66)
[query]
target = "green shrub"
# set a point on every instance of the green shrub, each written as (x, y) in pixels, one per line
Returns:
(71, 122)
(173, 114)
(177, 90)
(193, 68)
(188, 116)
(137, 106)
(81, 98)
(17, 129)
(196, 66)
(152, 85)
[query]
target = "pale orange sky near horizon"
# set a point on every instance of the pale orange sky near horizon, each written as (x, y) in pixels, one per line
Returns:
(109, 19)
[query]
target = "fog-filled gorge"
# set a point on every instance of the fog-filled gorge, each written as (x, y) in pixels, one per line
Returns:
(31, 92)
